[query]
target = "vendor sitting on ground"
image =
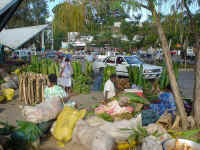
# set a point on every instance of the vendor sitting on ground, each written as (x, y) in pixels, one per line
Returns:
(164, 103)
(53, 90)
(109, 88)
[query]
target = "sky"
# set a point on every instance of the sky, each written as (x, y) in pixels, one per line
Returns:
(165, 9)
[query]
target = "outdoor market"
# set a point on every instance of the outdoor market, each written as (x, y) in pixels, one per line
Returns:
(63, 87)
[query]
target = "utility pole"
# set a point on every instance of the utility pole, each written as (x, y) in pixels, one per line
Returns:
(52, 38)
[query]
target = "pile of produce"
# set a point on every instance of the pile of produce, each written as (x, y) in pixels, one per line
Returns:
(108, 71)
(44, 66)
(82, 81)
(136, 75)
(82, 84)
(31, 87)
(77, 70)
(89, 71)
(122, 83)
(164, 79)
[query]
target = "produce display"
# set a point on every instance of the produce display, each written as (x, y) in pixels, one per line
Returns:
(108, 71)
(43, 66)
(31, 87)
(164, 79)
(122, 83)
(82, 81)
(136, 75)
(89, 71)
(135, 98)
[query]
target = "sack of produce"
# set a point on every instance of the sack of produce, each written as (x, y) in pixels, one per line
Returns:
(95, 121)
(151, 143)
(45, 111)
(114, 129)
(8, 93)
(66, 122)
(92, 138)
(9, 84)
(152, 128)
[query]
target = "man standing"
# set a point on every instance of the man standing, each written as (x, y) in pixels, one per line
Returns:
(109, 88)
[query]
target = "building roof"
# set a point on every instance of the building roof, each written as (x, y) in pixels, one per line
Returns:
(15, 38)
(5, 5)
(7, 9)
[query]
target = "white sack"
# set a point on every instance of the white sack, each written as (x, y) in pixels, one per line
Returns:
(114, 129)
(92, 138)
(45, 111)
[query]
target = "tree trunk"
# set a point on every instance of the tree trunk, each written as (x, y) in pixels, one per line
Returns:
(196, 93)
(196, 96)
(172, 78)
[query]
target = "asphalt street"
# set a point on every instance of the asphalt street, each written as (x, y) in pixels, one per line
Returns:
(186, 83)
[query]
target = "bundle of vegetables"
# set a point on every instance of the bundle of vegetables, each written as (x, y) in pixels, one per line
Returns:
(82, 84)
(135, 74)
(138, 134)
(108, 71)
(44, 66)
(123, 83)
(192, 135)
(136, 99)
(76, 65)
(89, 68)
(164, 79)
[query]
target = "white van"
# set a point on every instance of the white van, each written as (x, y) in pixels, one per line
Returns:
(21, 53)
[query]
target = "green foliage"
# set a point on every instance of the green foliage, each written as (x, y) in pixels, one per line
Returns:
(164, 79)
(108, 71)
(135, 74)
(29, 13)
(188, 134)
(30, 131)
(136, 99)
(81, 81)
(44, 66)
(138, 134)
(106, 117)
(7, 129)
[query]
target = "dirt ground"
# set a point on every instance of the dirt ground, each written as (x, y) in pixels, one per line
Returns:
(11, 111)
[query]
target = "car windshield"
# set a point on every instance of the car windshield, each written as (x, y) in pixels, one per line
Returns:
(133, 60)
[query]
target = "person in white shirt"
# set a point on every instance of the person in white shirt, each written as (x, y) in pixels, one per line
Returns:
(109, 88)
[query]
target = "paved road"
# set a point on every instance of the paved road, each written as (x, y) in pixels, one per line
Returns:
(186, 82)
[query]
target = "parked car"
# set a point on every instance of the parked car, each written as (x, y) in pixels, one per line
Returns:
(20, 54)
(122, 62)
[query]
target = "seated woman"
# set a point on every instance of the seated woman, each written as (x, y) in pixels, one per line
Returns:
(53, 90)
(165, 103)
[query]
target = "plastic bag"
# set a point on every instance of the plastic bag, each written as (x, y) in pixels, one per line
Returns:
(114, 129)
(92, 138)
(66, 122)
(150, 143)
(8, 93)
(95, 121)
(45, 111)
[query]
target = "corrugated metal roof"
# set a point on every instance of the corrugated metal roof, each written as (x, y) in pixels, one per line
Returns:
(14, 38)
(5, 4)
